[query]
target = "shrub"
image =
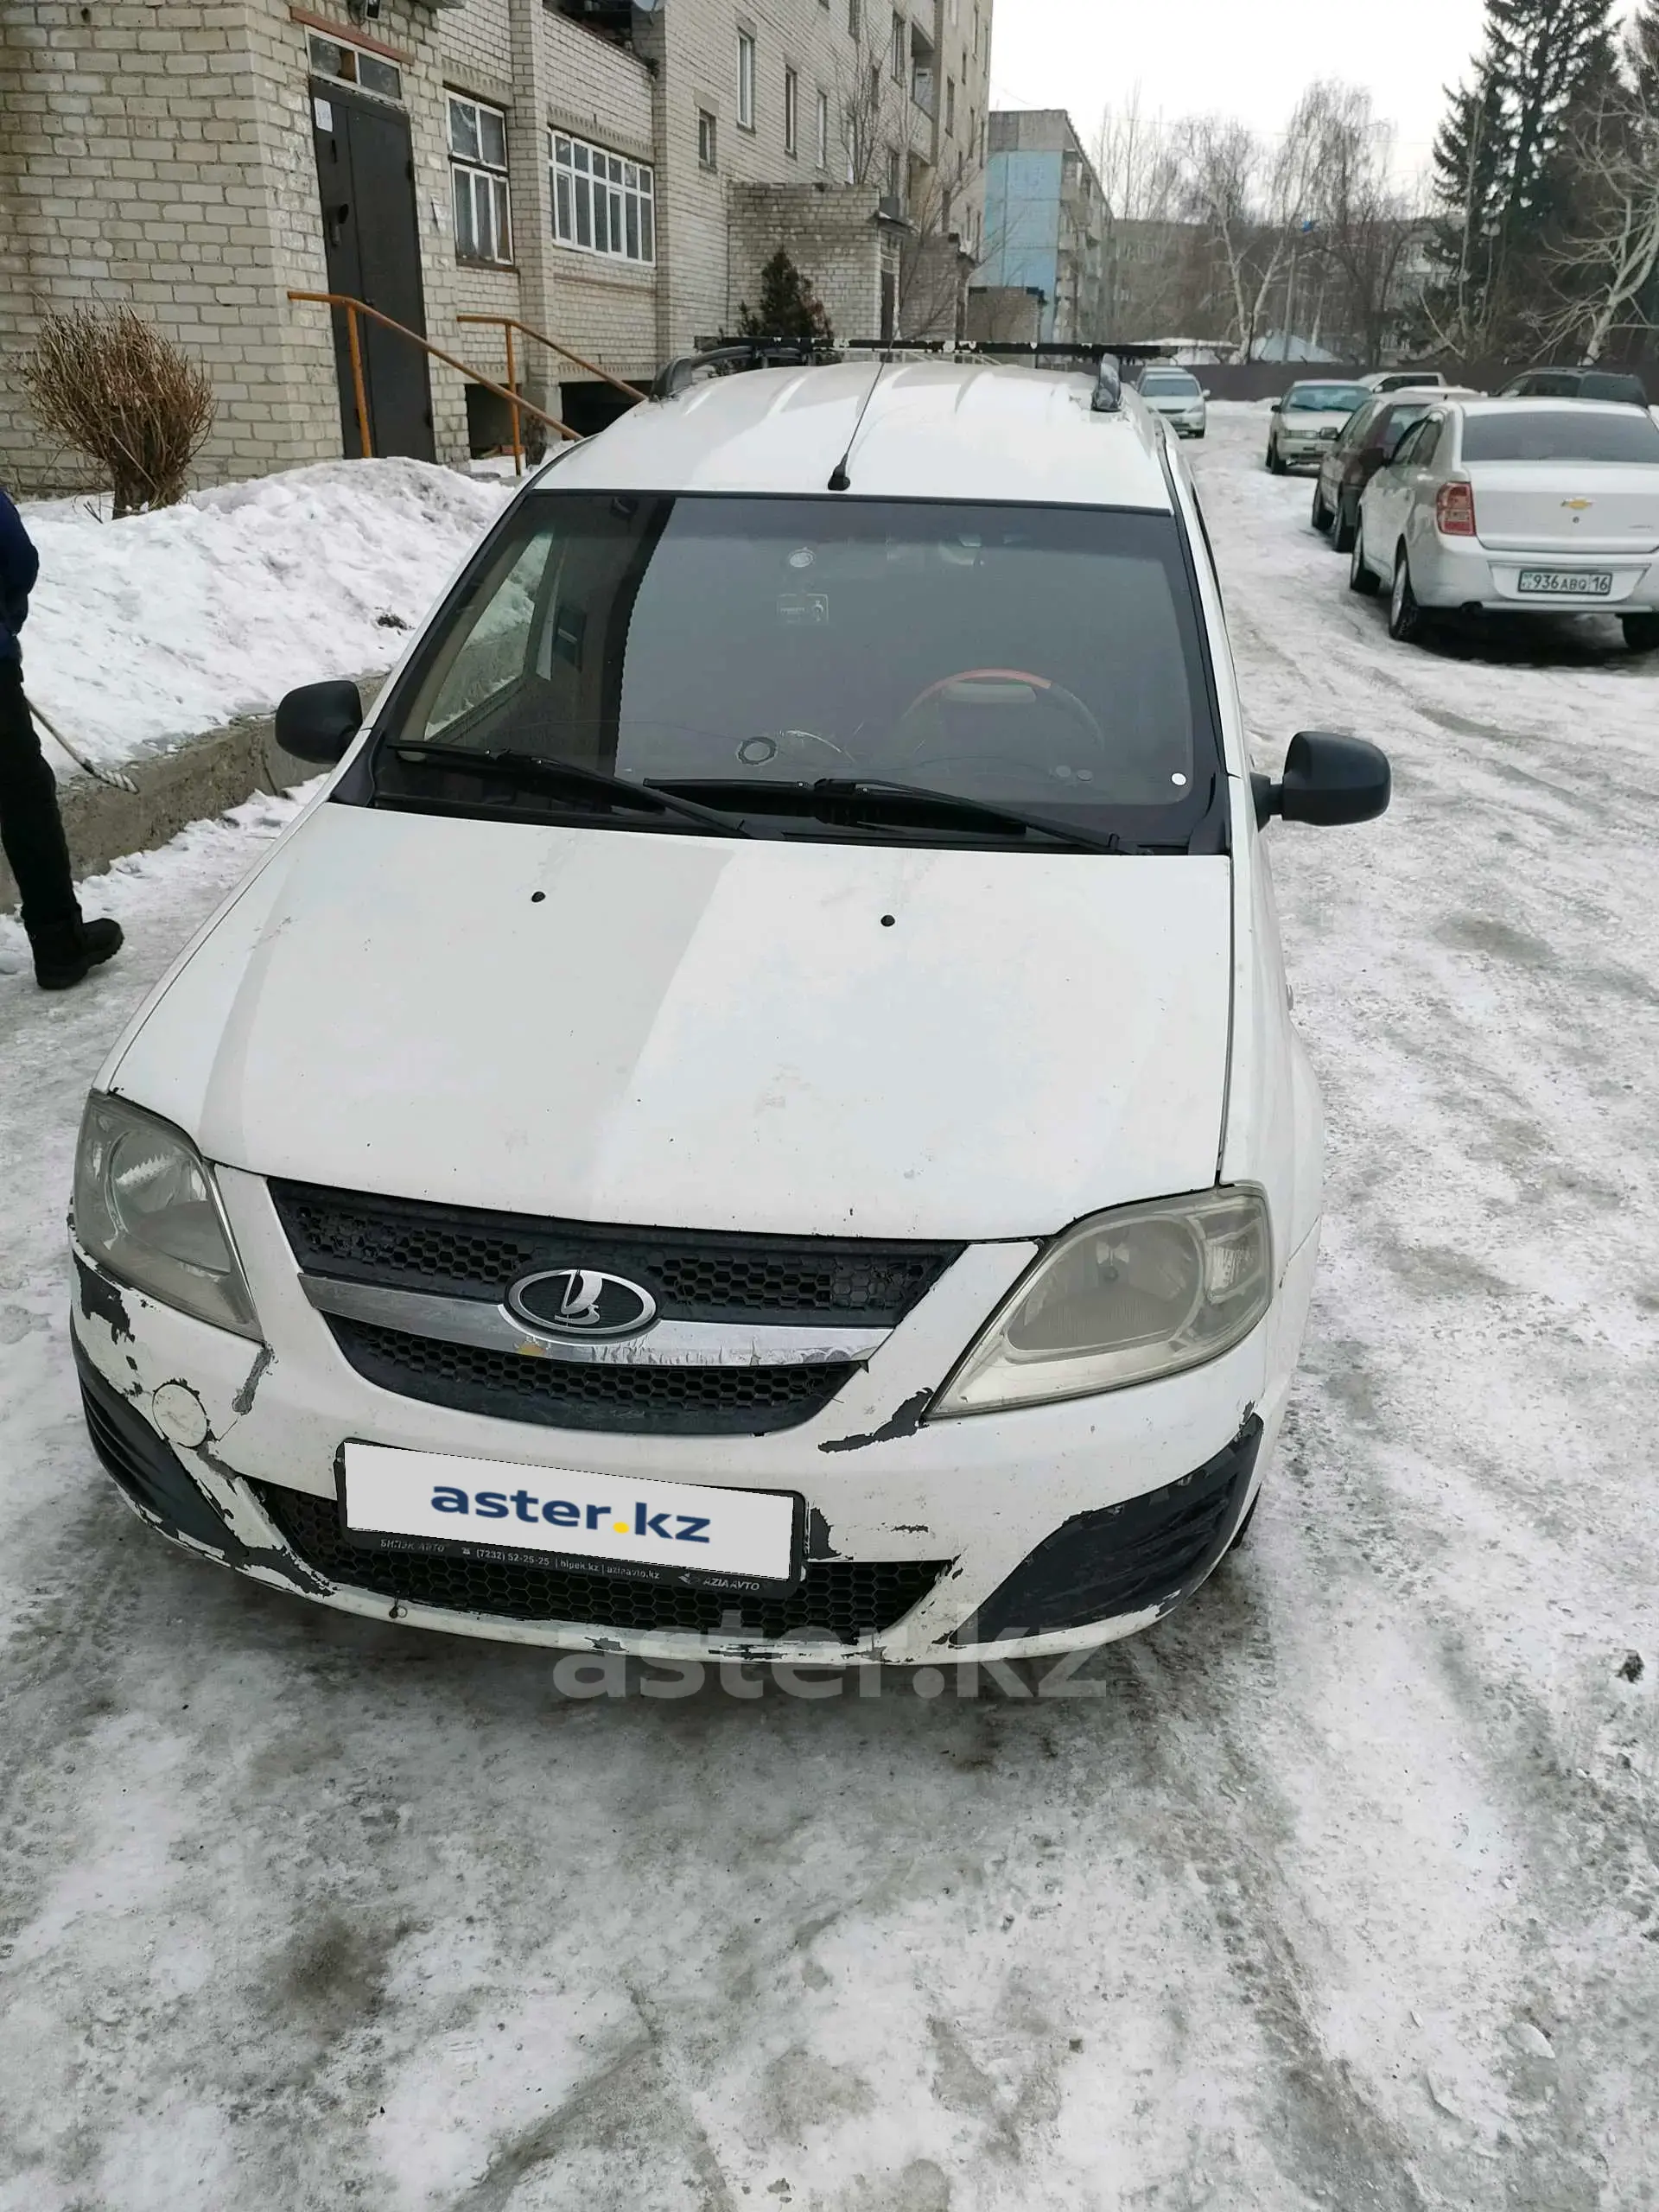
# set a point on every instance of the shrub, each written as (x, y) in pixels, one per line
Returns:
(110, 386)
(789, 306)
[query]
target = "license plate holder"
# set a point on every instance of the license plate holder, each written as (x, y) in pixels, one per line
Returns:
(637, 1529)
(1569, 583)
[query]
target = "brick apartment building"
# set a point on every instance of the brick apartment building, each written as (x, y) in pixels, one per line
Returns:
(613, 173)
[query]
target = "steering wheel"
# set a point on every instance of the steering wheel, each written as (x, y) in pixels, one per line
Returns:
(1044, 685)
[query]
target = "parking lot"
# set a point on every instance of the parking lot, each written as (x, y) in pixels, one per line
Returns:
(1335, 1890)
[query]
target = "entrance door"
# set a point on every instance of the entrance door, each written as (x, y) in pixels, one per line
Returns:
(371, 229)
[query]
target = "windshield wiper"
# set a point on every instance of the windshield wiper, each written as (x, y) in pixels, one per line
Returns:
(946, 802)
(529, 768)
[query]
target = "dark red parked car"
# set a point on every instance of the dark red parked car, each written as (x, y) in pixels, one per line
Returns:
(1366, 443)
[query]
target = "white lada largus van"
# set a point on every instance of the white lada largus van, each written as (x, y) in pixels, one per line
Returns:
(756, 1112)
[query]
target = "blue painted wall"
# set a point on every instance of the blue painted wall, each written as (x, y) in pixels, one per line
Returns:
(1022, 226)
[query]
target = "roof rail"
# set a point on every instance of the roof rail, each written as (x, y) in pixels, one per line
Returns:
(740, 353)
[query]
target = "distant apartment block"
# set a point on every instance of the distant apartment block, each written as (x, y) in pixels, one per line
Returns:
(1046, 228)
(613, 172)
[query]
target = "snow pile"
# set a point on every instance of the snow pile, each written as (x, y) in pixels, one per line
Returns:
(164, 625)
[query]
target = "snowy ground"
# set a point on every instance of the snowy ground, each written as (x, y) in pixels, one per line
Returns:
(1341, 1890)
(163, 625)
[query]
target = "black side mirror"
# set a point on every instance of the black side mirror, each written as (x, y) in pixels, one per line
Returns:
(319, 721)
(1278, 407)
(1328, 779)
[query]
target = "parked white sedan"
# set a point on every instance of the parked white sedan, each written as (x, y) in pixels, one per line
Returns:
(1509, 504)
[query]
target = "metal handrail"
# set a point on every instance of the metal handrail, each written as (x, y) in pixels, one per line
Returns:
(507, 324)
(355, 308)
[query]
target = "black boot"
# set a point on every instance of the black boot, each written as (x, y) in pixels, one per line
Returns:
(66, 952)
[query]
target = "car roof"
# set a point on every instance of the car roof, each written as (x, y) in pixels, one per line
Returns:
(1541, 403)
(932, 430)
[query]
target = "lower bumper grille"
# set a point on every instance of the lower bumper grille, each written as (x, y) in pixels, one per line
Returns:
(849, 1600)
(636, 1401)
(1146, 1552)
(140, 1462)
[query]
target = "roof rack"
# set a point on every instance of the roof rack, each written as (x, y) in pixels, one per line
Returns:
(1037, 353)
(728, 359)
(1108, 387)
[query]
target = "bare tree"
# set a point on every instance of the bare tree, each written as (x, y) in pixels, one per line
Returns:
(1135, 160)
(1362, 232)
(1605, 261)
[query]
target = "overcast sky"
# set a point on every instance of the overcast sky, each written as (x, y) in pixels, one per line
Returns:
(1193, 56)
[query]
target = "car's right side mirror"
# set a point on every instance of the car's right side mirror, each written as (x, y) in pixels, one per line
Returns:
(1328, 779)
(318, 721)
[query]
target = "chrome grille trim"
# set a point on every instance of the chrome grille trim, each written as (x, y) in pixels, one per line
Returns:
(668, 1343)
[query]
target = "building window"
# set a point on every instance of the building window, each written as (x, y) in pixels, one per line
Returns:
(478, 171)
(602, 202)
(745, 81)
(823, 130)
(950, 106)
(331, 57)
(976, 32)
(791, 112)
(895, 176)
(708, 140)
(853, 21)
(899, 53)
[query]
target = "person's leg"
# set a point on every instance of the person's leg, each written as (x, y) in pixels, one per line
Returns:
(31, 828)
(66, 949)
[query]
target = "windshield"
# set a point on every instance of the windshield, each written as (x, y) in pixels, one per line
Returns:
(1560, 434)
(1169, 384)
(1324, 398)
(733, 648)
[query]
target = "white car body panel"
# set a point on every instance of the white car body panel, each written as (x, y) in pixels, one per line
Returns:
(675, 999)
(718, 1036)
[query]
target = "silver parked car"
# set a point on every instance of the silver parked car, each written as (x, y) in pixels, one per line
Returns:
(1517, 504)
(1308, 419)
(1402, 380)
(1177, 395)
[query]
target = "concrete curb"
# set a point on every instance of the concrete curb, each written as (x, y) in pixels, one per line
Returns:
(202, 776)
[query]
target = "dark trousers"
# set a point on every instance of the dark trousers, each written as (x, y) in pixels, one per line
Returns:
(31, 828)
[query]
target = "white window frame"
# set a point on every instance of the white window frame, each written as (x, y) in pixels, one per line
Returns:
(616, 195)
(898, 52)
(824, 128)
(480, 182)
(792, 112)
(746, 76)
(708, 140)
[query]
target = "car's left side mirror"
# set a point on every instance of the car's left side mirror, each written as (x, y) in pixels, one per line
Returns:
(1204, 391)
(318, 721)
(1328, 779)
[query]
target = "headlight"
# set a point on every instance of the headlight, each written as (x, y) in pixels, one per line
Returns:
(146, 1208)
(1144, 1291)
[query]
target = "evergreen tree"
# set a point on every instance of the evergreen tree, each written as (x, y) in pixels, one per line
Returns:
(789, 307)
(1500, 181)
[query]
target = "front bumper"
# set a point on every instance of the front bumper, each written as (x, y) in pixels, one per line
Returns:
(1447, 572)
(1301, 453)
(1038, 1531)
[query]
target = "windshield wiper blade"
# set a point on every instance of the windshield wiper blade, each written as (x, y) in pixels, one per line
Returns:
(511, 766)
(1082, 840)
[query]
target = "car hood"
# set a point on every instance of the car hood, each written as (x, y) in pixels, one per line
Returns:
(1174, 403)
(1308, 422)
(703, 1033)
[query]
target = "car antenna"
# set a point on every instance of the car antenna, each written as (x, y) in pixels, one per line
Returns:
(839, 479)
